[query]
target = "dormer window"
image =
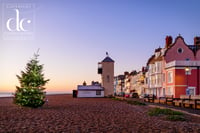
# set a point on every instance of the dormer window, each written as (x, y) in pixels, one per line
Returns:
(157, 54)
(163, 51)
(180, 50)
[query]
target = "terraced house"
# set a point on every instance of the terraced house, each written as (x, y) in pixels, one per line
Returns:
(133, 82)
(175, 69)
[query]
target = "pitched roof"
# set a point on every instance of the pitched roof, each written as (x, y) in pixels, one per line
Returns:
(108, 59)
(194, 48)
(150, 60)
(175, 43)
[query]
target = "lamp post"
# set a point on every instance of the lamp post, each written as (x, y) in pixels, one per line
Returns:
(187, 69)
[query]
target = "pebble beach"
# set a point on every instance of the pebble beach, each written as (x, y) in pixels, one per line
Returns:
(64, 114)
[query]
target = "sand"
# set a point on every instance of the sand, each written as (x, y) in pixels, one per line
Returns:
(84, 115)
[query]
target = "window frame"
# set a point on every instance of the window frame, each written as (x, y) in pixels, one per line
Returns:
(98, 92)
(169, 77)
(180, 50)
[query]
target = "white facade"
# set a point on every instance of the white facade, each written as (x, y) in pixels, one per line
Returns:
(119, 84)
(127, 85)
(90, 91)
(155, 75)
(137, 83)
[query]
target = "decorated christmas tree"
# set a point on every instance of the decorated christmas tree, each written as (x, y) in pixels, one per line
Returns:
(31, 91)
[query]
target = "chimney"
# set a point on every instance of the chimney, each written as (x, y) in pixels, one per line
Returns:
(126, 73)
(168, 41)
(196, 40)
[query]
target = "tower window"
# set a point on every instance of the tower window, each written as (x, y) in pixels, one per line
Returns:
(108, 78)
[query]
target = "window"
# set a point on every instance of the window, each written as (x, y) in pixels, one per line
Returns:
(163, 91)
(169, 91)
(152, 68)
(154, 91)
(108, 78)
(180, 50)
(159, 92)
(157, 54)
(160, 80)
(98, 92)
(158, 67)
(163, 77)
(190, 91)
(169, 77)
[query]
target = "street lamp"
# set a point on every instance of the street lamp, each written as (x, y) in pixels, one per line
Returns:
(187, 69)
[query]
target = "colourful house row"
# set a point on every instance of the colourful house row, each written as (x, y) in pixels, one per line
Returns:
(172, 70)
(131, 82)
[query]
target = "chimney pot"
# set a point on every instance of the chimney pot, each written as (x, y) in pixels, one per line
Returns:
(196, 40)
(168, 41)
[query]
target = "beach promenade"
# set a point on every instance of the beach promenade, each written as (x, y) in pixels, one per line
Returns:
(84, 115)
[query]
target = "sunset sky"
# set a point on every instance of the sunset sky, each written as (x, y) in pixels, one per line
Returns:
(74, 35)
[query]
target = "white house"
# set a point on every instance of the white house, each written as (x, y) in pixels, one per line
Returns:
(90, 91)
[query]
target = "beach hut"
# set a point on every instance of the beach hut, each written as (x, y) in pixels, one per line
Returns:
(90, 91)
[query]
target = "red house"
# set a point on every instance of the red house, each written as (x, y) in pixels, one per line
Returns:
(175, 69)
(182, 68)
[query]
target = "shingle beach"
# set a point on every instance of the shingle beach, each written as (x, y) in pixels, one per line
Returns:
(84, 115)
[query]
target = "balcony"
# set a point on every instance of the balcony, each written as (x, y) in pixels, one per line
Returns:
(182, 63)
(100, 70)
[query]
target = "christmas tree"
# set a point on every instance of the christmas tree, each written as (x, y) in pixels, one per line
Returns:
(31, 91)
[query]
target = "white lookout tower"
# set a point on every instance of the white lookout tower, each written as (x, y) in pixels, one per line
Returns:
(106, 69)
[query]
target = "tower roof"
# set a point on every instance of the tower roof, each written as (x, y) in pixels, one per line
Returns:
(108, 59)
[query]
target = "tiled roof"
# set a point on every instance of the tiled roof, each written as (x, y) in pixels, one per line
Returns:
(108, 59)
(150, 60)
(194, 48)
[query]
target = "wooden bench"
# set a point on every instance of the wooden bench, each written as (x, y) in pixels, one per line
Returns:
(184, 99)
(166, 99)
(150, 98)
(194, 100)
